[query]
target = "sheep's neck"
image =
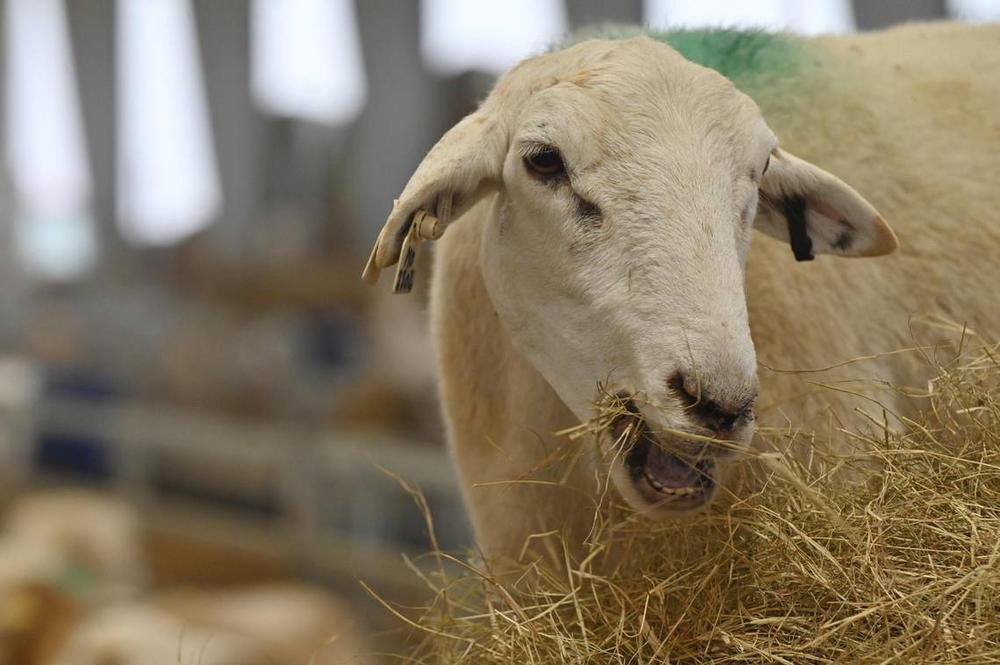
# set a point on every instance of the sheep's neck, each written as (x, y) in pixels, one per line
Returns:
(518, 477)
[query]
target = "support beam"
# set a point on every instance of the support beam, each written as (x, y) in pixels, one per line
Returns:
(238, 127)
(92, 33)
(14, 292)
(878, 14)
(402, 118)
(583, 13)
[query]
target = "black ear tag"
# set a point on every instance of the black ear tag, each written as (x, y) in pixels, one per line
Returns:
(403, 283)
(424, 226)
(795, 215)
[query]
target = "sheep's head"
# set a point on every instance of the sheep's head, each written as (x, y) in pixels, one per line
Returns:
(628, 181)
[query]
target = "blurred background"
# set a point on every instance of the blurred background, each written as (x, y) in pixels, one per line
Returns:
(188, 192)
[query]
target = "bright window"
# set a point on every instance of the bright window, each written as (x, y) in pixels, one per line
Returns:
(168, 185)
(46, 152)
(307, 59)
(459, 35)
(975, 10)
(815, 16)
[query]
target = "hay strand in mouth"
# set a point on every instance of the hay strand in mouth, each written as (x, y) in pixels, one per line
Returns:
(901, 568)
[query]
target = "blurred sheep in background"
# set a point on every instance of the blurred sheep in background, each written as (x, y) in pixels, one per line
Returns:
(272, 625)
(74, 590)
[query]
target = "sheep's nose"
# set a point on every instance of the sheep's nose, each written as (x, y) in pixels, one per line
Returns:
(718, 410)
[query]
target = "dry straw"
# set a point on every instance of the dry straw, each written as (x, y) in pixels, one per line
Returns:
(904, 568)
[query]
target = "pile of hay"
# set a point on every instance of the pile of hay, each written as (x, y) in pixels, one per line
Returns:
(904, 568)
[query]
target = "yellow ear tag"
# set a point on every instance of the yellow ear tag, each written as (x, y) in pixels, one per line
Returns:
(424, 227)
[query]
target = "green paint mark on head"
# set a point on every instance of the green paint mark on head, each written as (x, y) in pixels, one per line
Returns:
(751, 59)
(747, 58)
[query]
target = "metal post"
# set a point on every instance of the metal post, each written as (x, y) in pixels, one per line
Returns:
(584, 13)
(92, 33)
(238, 127)
(401, 120)
(877, 14)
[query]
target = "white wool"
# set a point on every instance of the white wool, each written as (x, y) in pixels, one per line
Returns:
(537, 300)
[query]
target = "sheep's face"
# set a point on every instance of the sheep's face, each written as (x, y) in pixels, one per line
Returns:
(628, 182)
(616, 257)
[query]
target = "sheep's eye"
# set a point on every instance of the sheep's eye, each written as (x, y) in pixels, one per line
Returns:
(546, 162)
(766, 164)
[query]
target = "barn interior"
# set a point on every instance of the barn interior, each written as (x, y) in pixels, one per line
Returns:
(192, 374)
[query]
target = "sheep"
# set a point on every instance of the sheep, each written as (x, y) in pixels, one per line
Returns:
(595, 217)
(126, 634)
(72, 578)
(273, 624)
(62, 553)
(36, 613)
(99, 537)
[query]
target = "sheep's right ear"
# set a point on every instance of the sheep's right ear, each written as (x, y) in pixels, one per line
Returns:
(460, 169)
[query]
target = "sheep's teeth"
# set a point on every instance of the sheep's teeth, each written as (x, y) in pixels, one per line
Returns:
(675, 491)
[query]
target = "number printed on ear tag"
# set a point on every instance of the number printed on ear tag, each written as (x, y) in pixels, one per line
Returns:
(407, 260)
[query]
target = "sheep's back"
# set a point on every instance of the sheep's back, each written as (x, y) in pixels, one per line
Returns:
(911, 118)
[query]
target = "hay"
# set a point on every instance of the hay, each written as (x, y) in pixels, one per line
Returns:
(904, 568)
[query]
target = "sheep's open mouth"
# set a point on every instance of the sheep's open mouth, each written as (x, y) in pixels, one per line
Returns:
(660, 476)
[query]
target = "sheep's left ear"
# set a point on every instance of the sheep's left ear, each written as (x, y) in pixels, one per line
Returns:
(463, 166)
(817, 213)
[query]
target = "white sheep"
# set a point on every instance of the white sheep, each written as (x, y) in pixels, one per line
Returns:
(62, 552)
(72, 572)
(130, 634)
(98, 535)
(276, 624)
(603, 199)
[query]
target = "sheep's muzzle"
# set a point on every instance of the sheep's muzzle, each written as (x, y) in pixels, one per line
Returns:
(663, 474)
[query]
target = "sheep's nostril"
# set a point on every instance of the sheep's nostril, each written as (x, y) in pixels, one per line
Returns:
(683, 389)
(728, 421)
(717, 416)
